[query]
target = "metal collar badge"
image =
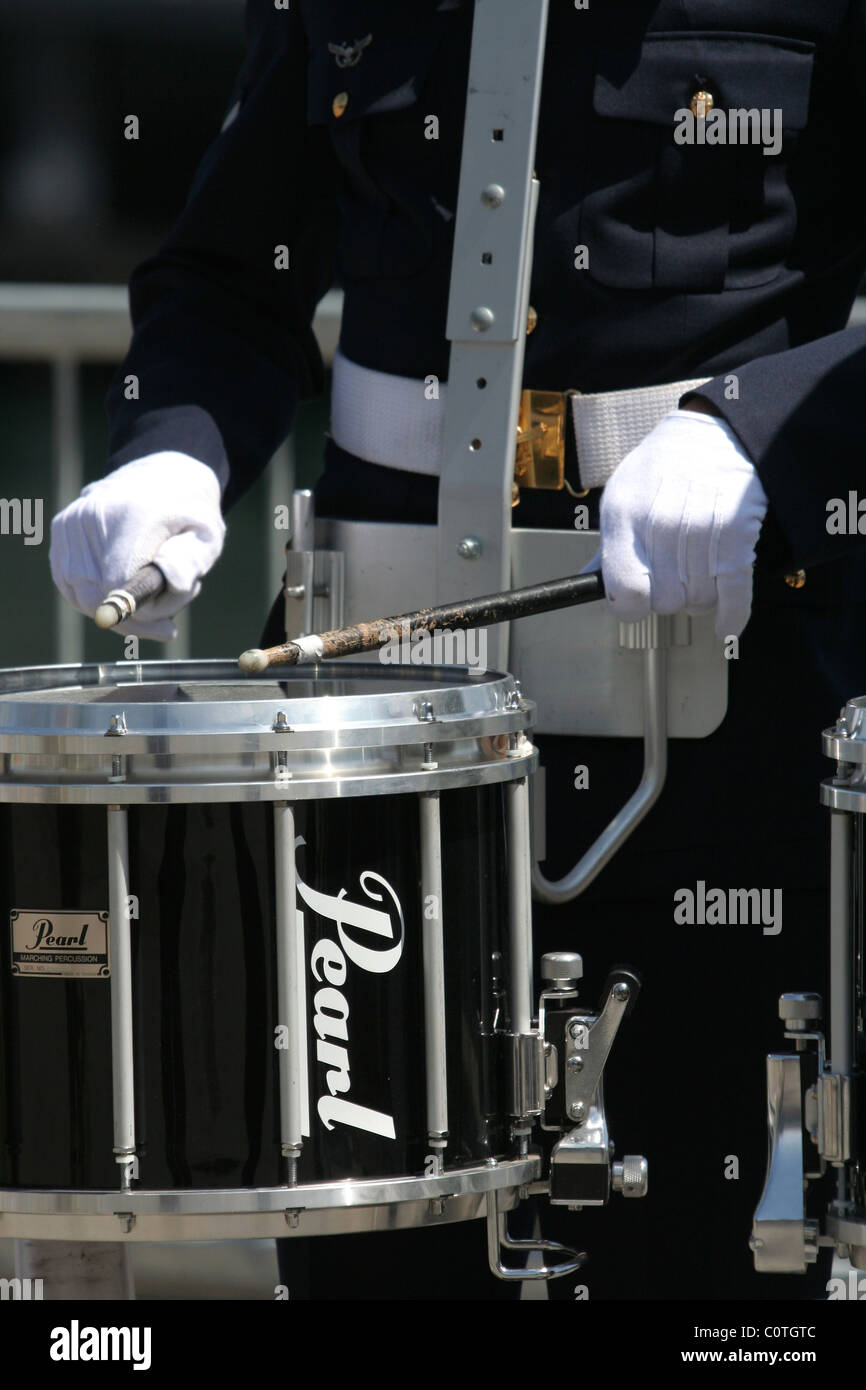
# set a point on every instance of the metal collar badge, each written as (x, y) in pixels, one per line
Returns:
(348, 54)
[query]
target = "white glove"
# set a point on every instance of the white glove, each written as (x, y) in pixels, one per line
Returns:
(680, 519)
(163, 508)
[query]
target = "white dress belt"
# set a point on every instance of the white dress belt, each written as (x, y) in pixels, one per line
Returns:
(398, 421)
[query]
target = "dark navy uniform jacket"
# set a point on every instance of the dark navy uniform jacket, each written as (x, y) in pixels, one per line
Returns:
(702, 260)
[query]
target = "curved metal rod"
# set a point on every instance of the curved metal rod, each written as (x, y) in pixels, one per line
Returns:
(647, 793)
(498, 1238)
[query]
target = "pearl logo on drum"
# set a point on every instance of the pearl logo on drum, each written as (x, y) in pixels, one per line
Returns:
(60, 942)
(329, 961)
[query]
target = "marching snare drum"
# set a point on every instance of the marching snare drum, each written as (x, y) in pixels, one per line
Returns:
(265, 936)
(816, 1116)
(842, 1110)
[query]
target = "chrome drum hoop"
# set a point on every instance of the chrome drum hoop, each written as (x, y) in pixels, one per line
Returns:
(249, 1213)
(84, 734)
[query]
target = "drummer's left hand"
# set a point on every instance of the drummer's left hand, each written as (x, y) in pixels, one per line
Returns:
(680, 519)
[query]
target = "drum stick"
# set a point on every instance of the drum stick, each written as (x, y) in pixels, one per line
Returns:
(120, 604)
(474, 612)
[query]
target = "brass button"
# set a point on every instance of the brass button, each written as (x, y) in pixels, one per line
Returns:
(701, 104)
(340, 102)
(531, 320)
(796, 580)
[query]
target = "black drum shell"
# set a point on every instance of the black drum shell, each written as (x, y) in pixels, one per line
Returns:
(206, 1023)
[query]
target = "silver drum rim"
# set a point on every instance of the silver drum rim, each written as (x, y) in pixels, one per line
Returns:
(354, 1204)
(414, 729)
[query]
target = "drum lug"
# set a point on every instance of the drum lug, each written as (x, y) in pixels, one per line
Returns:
(528, 1073)
(128, 1164)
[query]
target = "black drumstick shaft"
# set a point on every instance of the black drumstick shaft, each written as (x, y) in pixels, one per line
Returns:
(474, 612)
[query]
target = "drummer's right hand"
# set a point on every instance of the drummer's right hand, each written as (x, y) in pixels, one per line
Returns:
(162, 509)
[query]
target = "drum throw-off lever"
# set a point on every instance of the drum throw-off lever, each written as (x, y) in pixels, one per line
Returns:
(466, 613)
(148, 582)
(583, 1170)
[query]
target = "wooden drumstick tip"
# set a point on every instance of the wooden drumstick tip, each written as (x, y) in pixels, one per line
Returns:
(107, 615)
(253, 661)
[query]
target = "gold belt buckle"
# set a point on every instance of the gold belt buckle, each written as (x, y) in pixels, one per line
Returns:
(539, 456)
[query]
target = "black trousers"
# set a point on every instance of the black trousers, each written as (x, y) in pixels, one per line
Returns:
(685, 1083)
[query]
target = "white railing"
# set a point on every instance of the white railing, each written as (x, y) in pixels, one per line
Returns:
(65, 326)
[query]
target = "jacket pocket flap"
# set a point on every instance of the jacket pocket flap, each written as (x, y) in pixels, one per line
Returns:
(742, 71)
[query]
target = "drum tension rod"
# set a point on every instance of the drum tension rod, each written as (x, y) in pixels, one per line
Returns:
(122, 1051)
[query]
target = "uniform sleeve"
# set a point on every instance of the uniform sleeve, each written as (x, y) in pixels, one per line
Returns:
(223, 347)
(801, 416)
